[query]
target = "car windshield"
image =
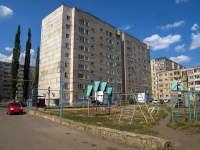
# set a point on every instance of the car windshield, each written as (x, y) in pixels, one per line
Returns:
(14, 104)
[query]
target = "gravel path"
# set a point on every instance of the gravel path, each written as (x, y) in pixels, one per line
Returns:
(181, 140)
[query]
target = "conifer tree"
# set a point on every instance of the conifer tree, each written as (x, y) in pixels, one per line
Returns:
(36, 77)
(27, 67)
(15, 63)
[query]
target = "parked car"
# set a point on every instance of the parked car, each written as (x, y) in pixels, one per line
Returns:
(166, 101)
(155, 101)
(14, 107)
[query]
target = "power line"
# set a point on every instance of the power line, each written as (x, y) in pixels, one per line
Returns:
(15, 79)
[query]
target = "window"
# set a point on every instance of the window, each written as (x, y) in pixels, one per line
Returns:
(66, 75)
(66, 96)
(81, 86)
(128, 42)
(81, 47)
(67, 26)
(118, 58)
(86, 67)
(86, 49)
(101, 29)
(92, 38)
(109, 48)
(81, 21)
(81, 30)
(80, 95)
(86, 58)
(111, 64)
(118, 43)
(66, 64)
(87, 23)
(67, 55)
(80, 76)
(67, 45)
(68, 18)
(111, 80)
(80, 66)
(112, 72)
(86, 40)
(67, 36)
(86, 76)
(107, 33)
(82, 39)
(66, 85)
(81, 57)
(87, 32)
(92, 46)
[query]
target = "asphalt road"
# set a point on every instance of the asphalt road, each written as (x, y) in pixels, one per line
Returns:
(25, 132)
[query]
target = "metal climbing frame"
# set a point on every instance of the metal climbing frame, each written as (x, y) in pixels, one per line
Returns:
(131, 113)
(184, 104)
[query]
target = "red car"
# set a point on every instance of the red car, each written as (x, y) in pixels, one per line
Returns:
(14, 107)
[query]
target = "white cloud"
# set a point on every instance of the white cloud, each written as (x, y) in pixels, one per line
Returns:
(126, 27)
(157, 43)
(5, 12)
(181, 59)
(174, 25)
(181, 1)
(180, 48)
(195, 41)
(10, 49)
(5, 58)
(195, 27)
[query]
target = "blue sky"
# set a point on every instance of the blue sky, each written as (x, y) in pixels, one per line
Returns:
(170, 27)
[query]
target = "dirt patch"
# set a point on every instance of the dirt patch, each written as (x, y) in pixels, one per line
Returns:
(181, 140)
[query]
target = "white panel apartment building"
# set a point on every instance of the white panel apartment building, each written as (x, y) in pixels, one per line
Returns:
(164, 72)
(87, 49)
(5, 81)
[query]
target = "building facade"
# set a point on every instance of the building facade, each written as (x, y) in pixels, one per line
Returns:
(136, 65)
(79, 48)
(5, 81)
(165, 71)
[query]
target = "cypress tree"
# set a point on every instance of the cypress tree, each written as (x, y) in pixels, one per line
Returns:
(15, 63)
(27, 67)
(36, 79)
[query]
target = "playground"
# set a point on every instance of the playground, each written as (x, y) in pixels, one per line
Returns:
(176, 121)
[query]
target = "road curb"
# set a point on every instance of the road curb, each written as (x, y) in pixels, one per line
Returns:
(131, 139)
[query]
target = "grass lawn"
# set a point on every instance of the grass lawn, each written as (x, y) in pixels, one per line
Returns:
(102, 118)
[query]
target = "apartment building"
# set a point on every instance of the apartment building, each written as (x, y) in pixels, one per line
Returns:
(79, 48)
(5, 81)
(165, 71)
(136, 65)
